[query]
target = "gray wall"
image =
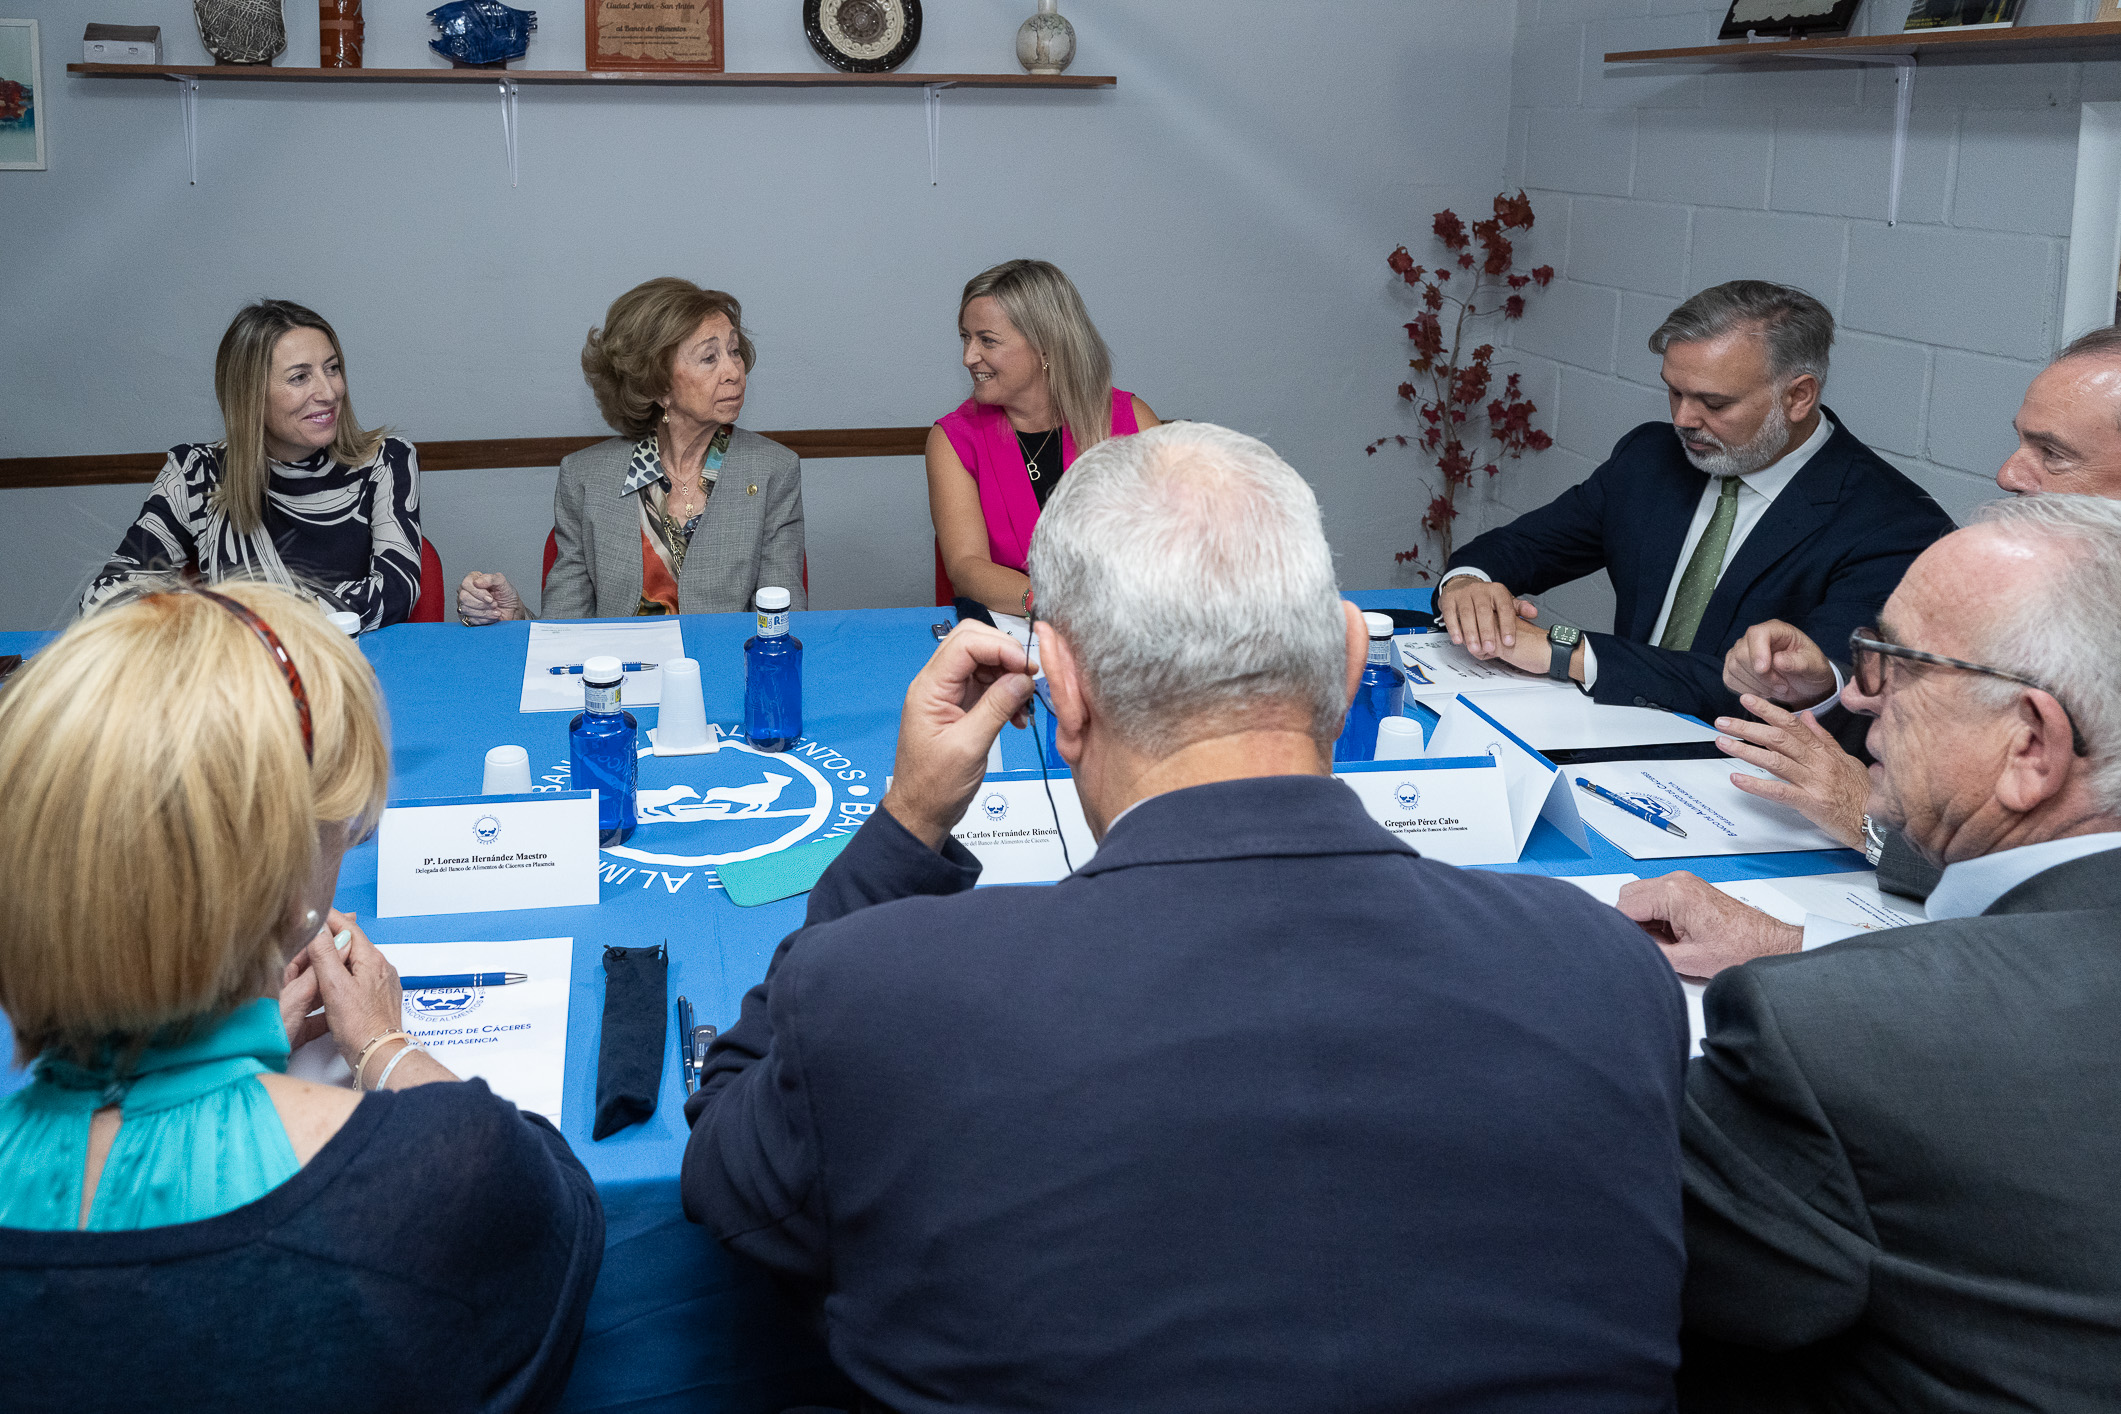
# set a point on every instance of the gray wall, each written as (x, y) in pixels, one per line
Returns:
(1651, 183)
(1226, 211)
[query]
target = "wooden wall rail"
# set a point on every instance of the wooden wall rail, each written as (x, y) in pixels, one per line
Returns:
(120, 467)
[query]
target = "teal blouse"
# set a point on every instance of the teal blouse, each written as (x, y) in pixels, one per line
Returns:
(198, 1136)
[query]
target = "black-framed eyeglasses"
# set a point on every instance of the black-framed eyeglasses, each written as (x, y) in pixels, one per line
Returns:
(1867, 656)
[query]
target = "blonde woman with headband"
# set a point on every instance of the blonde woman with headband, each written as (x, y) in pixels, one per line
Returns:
(296, 493)
(181, 1221)
(1042, 394)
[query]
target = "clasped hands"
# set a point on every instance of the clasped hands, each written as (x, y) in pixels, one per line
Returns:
(978, 680)
(1490, 622)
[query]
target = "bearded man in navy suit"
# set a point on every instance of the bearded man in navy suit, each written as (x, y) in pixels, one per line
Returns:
(1753, 503)
(1257, 1109)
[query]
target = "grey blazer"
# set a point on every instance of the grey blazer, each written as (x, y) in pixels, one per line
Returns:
(750, 535)
(1903, 1165)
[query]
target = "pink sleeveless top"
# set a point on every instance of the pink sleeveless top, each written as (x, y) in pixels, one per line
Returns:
(986, 444)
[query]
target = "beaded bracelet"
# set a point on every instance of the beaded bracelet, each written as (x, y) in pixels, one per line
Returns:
(384, 1079)
(368, 1050)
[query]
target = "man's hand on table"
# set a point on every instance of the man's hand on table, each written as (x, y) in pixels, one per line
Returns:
(978, 680)
(1778, 661)
(1483, 617)
(1701, 929)
(1814, 776)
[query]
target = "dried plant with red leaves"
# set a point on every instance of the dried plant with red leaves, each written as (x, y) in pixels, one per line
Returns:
(1447, 389)
(14, 100)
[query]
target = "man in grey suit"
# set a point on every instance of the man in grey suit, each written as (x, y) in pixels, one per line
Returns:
(1902, 1149)
(2069, 441)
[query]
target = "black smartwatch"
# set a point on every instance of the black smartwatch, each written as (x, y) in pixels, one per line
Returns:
(1564, 639)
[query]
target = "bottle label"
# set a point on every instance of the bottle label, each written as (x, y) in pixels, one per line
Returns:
(600, 698)
(1380, 650)
(772, 625)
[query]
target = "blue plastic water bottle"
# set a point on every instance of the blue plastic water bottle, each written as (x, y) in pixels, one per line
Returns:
(1381, 693)
(601, 749)
(773, 677)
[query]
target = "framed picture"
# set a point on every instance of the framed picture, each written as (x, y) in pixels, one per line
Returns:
(21, 98)
(653, 36)
(1800, 18)
(2109, 11)
(1962, 14)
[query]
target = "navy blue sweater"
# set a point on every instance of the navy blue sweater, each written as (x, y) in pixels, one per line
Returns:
(437, 1253)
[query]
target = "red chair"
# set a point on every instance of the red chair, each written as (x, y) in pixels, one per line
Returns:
(434, 591)
(552, 553)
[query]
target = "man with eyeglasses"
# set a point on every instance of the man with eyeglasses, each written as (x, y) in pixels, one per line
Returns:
(2069, 440)
(1901, 1150)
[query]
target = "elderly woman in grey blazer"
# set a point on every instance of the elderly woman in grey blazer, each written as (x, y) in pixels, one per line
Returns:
(683, 512)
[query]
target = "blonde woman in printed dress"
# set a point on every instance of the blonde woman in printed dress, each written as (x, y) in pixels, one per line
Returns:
(296, 493)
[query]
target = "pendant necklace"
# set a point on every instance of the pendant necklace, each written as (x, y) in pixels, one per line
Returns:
(1031, 458)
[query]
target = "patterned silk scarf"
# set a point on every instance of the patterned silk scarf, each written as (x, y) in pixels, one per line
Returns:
(663, 540)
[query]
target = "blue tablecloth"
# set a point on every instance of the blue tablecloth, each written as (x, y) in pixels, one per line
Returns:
(676, 1323)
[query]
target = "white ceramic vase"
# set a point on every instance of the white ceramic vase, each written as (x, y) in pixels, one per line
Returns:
(1045, 43)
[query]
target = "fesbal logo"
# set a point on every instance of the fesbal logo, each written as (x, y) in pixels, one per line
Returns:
(995, 807)
(486, 829)
(1408, 795)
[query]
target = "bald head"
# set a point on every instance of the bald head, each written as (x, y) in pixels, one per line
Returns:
(2069, 426)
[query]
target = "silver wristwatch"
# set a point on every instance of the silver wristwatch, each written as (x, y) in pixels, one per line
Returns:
(1873, 842)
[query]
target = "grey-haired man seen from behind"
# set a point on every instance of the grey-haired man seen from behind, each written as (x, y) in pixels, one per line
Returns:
(1752, 503)
(1901, 1149)
(1258, 1109)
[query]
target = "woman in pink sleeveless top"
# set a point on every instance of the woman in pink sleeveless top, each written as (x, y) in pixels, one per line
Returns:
(1041, 392)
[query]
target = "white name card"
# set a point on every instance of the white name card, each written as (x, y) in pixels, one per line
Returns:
(1537, 789)
(487, 853)
(1453, 809)
(1014, 834)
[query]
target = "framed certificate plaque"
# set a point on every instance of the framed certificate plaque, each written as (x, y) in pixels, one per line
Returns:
(669, 36)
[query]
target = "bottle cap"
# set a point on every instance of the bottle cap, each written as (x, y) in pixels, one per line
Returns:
(1380, 625)
(346, 623)
(602, 671)
(773, 600)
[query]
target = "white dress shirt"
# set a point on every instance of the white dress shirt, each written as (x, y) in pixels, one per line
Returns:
(1757, 491)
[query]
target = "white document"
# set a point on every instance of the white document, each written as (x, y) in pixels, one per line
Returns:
(1569, 721)
(566, 645)
(512, 1036)
(1438, 670)
(1011, 829)
(1536, 788)
(1699, 798)
(1455, 810)
(1852, 899)
(1603, 887)
(485, 853)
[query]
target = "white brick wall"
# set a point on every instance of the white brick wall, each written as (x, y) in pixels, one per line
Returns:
(1651, 183)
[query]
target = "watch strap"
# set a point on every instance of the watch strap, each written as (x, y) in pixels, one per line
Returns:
(1558, 660)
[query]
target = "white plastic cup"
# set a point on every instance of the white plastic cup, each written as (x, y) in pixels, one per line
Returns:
(345, 622)
(681, 720)
(507, 771)
(1398, 739)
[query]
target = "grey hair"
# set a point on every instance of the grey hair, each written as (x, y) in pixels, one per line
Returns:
(1797, 328)
(2103, 342)
(1188, 568)
(2061, 631)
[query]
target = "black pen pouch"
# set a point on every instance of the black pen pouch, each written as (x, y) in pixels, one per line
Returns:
(630, 1052)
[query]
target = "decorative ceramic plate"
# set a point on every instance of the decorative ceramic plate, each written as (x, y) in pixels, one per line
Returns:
(863, 36)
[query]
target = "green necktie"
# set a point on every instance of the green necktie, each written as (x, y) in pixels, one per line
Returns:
(1699, 581)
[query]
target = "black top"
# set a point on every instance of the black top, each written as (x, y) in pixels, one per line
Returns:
(437, 1253)
(1043, 451)
(1257, 1109)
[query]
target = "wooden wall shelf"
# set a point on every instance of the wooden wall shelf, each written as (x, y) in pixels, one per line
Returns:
(2024, 44)
(118, 468)
(266, 73)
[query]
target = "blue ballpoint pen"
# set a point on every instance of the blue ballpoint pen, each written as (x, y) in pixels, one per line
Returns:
(463, 979)
(576, 668)
(1630, 806)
